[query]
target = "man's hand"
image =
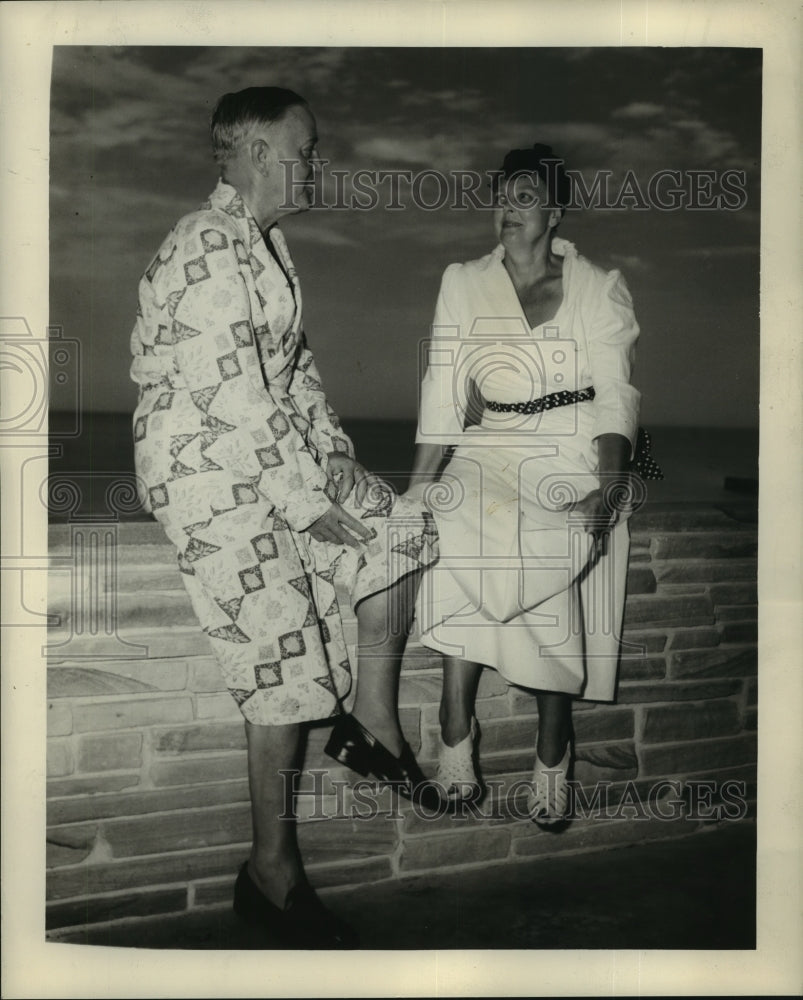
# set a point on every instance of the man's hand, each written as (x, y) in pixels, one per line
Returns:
(343, 472)
(340, 528)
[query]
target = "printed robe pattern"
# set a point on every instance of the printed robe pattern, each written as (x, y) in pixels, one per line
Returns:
(231, 434)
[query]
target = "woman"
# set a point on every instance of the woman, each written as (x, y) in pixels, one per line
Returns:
(530, 507)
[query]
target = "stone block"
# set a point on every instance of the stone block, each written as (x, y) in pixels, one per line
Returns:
(702, 756)
(737, 612)
(69, 845)
(599, 834)
(640, 694)
(110, 752)
(94, 785)
(508, 762)
(155, 643)
(705, 545)
(705, 570)
(633, 668)
(604, 724)
(200, 737)
(694, 638)
(643, 642)
(60, 760)
(410, 721)
(140, 611)
(641, 580)
(80, 912)
(492, 684)
(740, 631)
(164, 674)
(733, 593)
(656, 611)
(725, 661)
(140, 802)
(418, 657)
(59, 719)
(65, 681)
(472, 846)
(495, 735)
(151, 577)
(522, 701)
(217, 706)
(420, 688)
(751, 691)
(198, 769)
(668, 723)
(486, 708)
(652, 520)
(338, 840)
(176, 868)
(155, 610)
(185, 830)
(495, 809)
(205, 675)
(121, 714)
(605, 762)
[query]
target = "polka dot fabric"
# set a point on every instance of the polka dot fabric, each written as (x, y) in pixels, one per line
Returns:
(643, 464)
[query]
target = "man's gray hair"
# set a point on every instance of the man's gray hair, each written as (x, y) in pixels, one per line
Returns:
(237, 114)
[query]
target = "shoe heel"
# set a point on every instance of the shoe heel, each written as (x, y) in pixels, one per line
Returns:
(354, 757)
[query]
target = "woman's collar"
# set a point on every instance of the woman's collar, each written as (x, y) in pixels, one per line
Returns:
(560, 247)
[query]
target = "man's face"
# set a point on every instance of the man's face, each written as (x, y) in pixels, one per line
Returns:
(293, 142)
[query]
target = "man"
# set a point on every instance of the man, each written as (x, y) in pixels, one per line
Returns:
(246, 466)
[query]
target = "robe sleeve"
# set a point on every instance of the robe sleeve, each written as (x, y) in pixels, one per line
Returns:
(612, 339)
(307, 390)
(212, 332)
(440, 420)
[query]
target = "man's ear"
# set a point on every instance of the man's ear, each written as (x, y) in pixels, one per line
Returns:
(259, 152)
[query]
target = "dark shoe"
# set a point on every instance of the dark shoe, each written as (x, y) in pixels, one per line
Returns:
(303, 923)
(353, 745)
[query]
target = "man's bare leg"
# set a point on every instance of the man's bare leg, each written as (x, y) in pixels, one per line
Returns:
(275, 863)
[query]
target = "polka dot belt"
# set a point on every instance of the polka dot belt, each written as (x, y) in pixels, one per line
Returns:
(642, 463)
(554, 399)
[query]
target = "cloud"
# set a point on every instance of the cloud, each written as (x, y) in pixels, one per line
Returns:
(729, 250)
(639, 109)
(631, 262)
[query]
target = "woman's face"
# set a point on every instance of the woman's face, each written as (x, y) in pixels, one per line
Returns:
(520, 218)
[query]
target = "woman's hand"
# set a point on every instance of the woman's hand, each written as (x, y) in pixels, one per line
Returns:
(343, 473)
(597, 517)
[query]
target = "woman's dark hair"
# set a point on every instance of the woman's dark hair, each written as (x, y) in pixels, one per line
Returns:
(237, 114)
(541, 160)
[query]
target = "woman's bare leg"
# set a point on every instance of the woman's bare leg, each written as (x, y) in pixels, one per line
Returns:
(383, 624)
(458, 697)
(554, 726)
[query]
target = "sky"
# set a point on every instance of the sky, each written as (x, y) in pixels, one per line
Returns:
(130, 155)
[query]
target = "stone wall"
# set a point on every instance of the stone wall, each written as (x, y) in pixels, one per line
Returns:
(147, 793)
